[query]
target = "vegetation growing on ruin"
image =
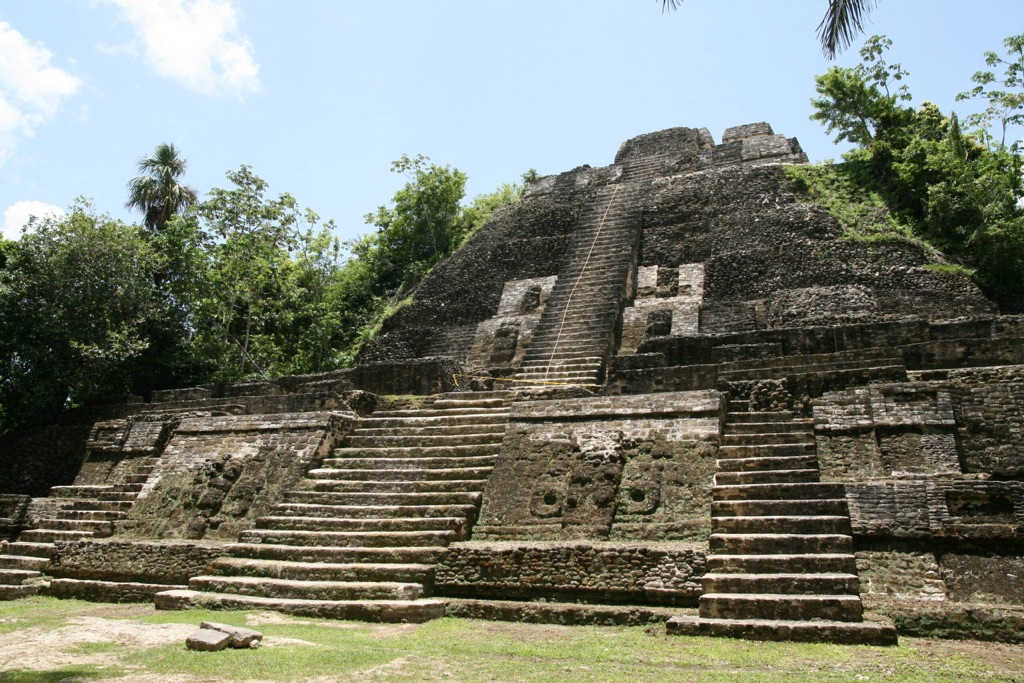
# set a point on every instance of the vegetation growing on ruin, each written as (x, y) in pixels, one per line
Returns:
(240, 285)
(917, 174)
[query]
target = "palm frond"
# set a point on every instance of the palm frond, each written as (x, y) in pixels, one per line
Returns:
(666, 5)
(843, 22)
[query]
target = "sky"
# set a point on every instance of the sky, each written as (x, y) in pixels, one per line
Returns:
(319, 96)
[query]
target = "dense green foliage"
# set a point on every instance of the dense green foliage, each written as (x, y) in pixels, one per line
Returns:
(78, 301)
(241, 285)
(916, 174)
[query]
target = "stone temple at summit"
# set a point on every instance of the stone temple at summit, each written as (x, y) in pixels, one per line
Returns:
(666, 390)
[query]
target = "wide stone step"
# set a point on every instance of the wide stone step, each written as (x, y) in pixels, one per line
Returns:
(80, 491)
(306, 590)
(843, 633)
(794, 491)
(785, 462)
(766, 477)
(469, 402)
(787, 426)
(388, 611)
(23, 562)
(409, 464)
(784, 606)
(545, 355)
(890, 368)
(106, 591)
(378, 475)
(768, 438)
(453, 422)
(373, 511)
(52, 535)
(95, 515)
(595, 325)
(100, 527)
(768, 508)
(323, 571)
(821, 563)
(363, 498)
(335, 555)
(103, 505)
(14, 577)
(434, 430)
(470, 394)
(454, 524)
(421, 440)
(450, 413)
(550, 348)
(363, 486)
(588, 384)
(588, 377)
(587, 317)
(768, 417)
(452, 451)
(789, 584)
(765, 451)
(349, 539)
(586, 363)
(779, 544)
(807, 524)
(17, 592)
(30, 548)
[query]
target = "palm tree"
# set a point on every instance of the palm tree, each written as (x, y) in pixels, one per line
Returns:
(159, 193)
(843, 21)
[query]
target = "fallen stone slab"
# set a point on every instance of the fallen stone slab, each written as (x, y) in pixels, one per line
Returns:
(240, 637)
(207, 640)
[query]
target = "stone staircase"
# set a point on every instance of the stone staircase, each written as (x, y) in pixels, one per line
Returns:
(780, 563)
(359, 538)
(843, 367)
(80, 512)
(574, 337)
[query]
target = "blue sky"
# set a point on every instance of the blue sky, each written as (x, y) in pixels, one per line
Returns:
(320, 96)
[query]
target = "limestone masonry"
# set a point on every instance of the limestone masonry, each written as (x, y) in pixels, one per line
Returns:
(664, 390)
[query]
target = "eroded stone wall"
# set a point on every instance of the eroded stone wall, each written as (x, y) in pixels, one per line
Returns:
(929, 459)
(647, 573)
(635, 467)
(166, 562)
(218, 474)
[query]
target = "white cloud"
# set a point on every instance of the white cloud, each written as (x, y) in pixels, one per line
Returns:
(18, 213)
(31, 89)
(196, 43)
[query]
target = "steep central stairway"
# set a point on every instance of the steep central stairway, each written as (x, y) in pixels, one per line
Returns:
(80, 512)
(359, 539)
(781, 563)
(574, 337)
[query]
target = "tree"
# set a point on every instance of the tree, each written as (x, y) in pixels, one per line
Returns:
(159, 193)
(1006, 103)
(422, 227)
(77, 299)
(951, 188)
(842, 23)
(249, 238)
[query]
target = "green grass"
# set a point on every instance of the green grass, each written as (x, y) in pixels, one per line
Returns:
(464, 650)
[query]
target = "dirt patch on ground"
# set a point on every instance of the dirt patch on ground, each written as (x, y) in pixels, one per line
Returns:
(35, 648)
